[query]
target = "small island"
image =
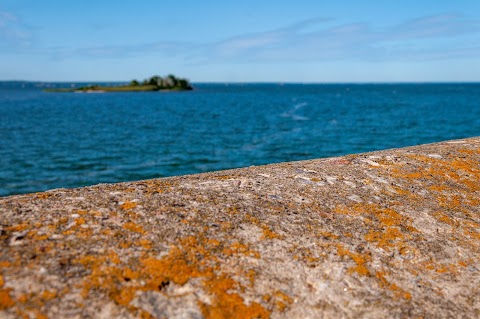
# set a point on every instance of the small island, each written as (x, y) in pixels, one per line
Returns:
(155, 83)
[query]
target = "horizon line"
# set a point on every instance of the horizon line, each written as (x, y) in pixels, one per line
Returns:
(264, 82)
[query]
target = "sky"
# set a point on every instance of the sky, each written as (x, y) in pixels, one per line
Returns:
(304, 41)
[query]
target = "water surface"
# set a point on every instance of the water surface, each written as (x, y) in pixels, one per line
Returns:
(51, 140)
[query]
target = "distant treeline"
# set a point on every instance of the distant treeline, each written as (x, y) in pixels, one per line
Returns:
(155, 83)
(170, 82)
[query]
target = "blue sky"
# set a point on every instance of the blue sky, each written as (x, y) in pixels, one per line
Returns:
(241, 41)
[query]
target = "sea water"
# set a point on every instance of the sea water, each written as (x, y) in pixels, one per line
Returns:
(52, 140)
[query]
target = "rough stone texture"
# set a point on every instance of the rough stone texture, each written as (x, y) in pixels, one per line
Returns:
(390, 234)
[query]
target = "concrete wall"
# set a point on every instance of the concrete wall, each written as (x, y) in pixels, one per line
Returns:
(390, 234)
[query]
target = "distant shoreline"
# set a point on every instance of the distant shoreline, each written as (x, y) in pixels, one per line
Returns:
(155, 83)
(107, 89)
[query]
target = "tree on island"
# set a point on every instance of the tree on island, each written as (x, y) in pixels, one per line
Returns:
(170, 82)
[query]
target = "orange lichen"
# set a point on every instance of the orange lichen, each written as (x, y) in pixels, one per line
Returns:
(224, 226)
(282, 300)
(473, 234)
(386, 216)
(222, 177)
(252, 219)
(239, 248)
(438, 188)
(454, 185)
(40, 315)
(19, 227)
(328, 235)
(387, 228)
(48, 295)
(359, 259)
(134, 227)
(23, 298)
(128, 205)
(399, 292)
(269, 234)
(413, 175)
(266, 298)
(84, 233)
(346, 210)
(213, 242)
(5, 300)
(147, 244)
(113, 257)
(173, 268)
(192, 258)
(251, 277)
(43, 195)
(406, 250)
(229, 305)
(451, 201)
(305, 255)
(34, 235)
(442, 269)
(385, 239)
(192, 261)
(429, 266)
(467, 151)
(445, 219)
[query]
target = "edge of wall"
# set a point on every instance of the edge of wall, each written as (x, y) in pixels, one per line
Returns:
(393, 233)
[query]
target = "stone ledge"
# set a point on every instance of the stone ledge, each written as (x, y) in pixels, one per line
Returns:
(389, 234)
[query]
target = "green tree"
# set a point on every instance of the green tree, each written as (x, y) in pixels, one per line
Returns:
(183, 84)
(154, 80)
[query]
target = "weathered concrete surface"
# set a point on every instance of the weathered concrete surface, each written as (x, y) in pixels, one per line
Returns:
(391, 234)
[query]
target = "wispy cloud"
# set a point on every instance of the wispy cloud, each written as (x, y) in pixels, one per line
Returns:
(161, 48)
(313, 40)
(13, 31)
(442, 25)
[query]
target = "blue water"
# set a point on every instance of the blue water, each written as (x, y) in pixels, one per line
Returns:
(51, 140)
